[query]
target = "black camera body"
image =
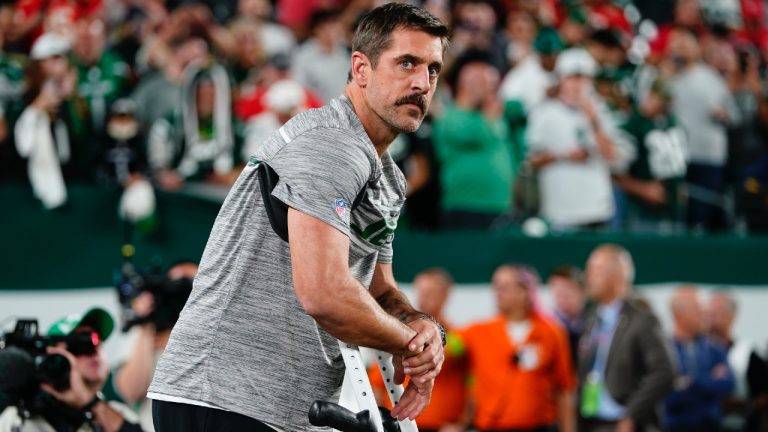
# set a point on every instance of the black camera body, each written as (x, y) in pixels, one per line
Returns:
(169, 297)
(25, 363)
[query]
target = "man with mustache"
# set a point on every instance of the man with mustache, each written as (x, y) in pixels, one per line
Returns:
(256, 343)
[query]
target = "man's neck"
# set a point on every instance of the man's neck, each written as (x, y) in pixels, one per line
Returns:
(683, 335)
(723, 337)
(516, 316)
(380, 134)
(573, 316)
(326, 45)
(610, 299)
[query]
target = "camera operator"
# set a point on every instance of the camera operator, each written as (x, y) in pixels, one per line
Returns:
(81, 407)
(133, 377)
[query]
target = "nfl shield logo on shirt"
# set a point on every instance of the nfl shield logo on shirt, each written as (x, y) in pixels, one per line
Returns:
(342, 209)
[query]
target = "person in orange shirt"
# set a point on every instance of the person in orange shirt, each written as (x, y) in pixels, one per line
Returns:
(522, 377)
(433, 287)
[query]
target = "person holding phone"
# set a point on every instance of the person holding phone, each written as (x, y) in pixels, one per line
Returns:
(572, 143)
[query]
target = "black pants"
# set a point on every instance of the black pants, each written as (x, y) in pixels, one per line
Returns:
(178, 417)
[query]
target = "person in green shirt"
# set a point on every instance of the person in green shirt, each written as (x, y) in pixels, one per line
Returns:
(654, 178)
(474, 148)
(101, 75)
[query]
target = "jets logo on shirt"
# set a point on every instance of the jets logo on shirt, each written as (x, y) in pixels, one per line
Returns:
(342, 209)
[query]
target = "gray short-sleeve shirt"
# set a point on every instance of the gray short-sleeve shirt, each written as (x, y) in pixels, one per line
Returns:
(243, 342)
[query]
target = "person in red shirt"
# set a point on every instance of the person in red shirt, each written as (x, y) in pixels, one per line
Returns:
(251, 103)
(433, 286)
(34, 17)
(521, 373)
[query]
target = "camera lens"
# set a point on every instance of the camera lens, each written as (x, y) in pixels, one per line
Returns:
(53, 369)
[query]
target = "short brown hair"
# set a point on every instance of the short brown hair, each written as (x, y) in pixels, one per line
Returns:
(570, 272)
(373, 33)
(445, 278)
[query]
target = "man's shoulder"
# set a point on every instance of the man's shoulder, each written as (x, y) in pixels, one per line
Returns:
(640, 310)
(334, 120)
(480, 328)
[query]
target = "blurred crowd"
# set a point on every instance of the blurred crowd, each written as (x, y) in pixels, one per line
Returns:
(562, 115)
(595, 359)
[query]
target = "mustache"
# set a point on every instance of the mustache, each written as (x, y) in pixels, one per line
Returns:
(416, 99)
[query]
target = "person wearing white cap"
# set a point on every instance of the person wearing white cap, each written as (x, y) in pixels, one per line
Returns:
(572, 144)
(283, 100)
(42, 136)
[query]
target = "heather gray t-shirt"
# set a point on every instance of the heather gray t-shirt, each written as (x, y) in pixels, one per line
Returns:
(243, 342)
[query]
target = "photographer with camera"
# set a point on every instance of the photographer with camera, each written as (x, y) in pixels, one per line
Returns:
(155, 308)
(75, 404)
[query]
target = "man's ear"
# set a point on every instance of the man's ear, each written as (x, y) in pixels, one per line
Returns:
(361, 68)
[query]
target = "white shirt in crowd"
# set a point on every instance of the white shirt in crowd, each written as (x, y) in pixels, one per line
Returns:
(571, 193)
(697, 93)
(527, 82)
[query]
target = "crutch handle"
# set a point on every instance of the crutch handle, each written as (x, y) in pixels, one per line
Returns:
(324, 413)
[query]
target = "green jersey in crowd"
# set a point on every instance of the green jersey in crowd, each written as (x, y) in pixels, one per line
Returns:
(660, 155)
(100, 84)
(478, 159)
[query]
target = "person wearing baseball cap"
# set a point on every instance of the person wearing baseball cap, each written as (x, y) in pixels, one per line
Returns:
(49, 45)
(80, 407)
(572, 144)
(52, 158)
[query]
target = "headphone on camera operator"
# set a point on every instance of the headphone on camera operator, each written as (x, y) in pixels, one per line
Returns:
(54, 382)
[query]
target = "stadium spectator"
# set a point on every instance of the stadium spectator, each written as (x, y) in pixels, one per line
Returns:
(34, 18)
(195, 142)
(521, 372)
(474, 148)
(520, 33)
(687, 17)
(414, 154)
(81, 407)
(122, 146)
(433, 288)
(703, 104)
(283, 100)
(653, 180)
(248, 58)
(531, 77)
(274, 37)
(569, 295)
(573, 159)
(101, 74)
(322, 61)
(474, 29)
(159, 93)
(250, 101)
(574, 26)
(743, 406)
(625, 368)
(746, 143)
(49, 132)
(703, 376)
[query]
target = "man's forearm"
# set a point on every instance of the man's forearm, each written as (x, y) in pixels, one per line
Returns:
(566, 407)
(357, 318)
(395, 303)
